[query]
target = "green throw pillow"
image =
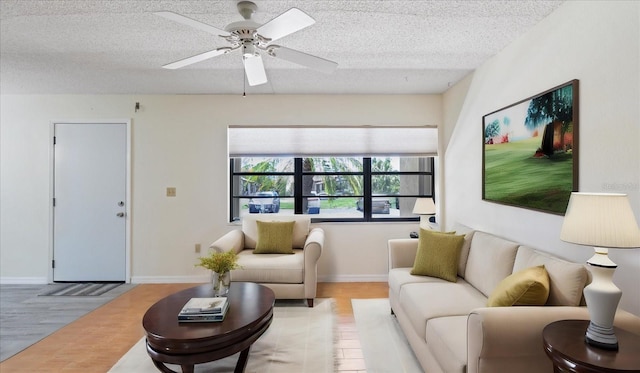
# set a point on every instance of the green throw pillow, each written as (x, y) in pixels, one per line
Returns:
(529, 287)
(438, 255)
(274, 237)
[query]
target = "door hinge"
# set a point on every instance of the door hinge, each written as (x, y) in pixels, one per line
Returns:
(54, 202)
(53, 263)
(54, 140)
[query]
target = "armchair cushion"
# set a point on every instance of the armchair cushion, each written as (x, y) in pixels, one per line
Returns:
(270, 268)
(275, 237)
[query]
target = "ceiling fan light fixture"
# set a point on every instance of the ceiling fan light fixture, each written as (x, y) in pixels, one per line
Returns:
(249, 50)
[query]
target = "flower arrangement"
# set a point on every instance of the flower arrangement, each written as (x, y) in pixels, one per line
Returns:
(219, 262)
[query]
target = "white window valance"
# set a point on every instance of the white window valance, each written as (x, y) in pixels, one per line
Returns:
(319, 141)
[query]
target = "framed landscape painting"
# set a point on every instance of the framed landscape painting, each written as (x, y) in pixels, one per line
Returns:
(530, 151)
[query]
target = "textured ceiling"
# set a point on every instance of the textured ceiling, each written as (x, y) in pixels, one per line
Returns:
(382, 47)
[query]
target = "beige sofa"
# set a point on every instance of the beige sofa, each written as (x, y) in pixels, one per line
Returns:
(290, 276)
(448, 324)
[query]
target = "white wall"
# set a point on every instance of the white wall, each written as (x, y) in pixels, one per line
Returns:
(597, 43)
(180, 141)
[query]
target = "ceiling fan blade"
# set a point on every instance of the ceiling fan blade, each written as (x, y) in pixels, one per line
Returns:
(254, 69)
(197, 58)
(286, 23)
(301, 58)
(192, 23)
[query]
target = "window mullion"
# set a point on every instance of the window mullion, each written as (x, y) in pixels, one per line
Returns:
(367, 208)
(232, 201)
(297, 186)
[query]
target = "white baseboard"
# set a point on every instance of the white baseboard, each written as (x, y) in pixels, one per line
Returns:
(203, 279)
(23, 280)
(353, 278)
(170, 279)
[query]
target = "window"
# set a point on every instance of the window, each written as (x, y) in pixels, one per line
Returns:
(337, 188)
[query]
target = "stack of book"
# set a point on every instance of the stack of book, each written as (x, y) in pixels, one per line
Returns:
(204, 310)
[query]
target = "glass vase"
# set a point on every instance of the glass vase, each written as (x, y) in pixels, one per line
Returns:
(221, 282)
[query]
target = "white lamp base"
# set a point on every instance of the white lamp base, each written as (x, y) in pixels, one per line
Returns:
(426, 224)
(602, 297)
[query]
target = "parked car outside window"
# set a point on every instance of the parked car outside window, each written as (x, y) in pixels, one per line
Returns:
(265, 202)
(379, 205)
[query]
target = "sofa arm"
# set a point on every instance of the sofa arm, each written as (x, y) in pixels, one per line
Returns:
(233, 240)
(509, 339)
(314, 243)
(312, 251)
(402, 252)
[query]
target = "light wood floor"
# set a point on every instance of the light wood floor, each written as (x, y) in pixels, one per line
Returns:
(95, 342)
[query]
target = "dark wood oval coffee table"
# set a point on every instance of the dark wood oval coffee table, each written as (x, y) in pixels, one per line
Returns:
(186, 344)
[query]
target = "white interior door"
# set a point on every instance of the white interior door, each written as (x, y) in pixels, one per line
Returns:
(89, 218)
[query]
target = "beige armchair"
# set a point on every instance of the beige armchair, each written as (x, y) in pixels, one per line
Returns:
(290, 276)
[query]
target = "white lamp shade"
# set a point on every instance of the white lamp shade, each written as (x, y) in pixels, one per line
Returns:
(424, 206)
(600, 219)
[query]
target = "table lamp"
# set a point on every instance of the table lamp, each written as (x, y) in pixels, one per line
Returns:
(424, 207)
(601, 220)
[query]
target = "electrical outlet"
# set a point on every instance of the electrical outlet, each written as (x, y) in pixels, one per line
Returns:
(197, 248)
(171, 191)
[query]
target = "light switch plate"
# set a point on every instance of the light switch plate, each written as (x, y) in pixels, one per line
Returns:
(171, 191)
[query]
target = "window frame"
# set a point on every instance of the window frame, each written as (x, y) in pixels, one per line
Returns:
(367, 175)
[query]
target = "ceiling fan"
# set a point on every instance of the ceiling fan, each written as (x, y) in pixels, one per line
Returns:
(253, 38)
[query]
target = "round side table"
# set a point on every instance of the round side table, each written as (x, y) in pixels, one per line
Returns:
(565, 345)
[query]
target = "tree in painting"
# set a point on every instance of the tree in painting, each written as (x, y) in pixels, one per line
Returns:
(554, 110)
(492, 130)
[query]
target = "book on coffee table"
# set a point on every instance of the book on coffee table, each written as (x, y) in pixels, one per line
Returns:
(204, 310)
(204, 305)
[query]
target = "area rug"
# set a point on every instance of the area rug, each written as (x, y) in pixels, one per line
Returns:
(79, 289)
(384, 346)
(300, 339)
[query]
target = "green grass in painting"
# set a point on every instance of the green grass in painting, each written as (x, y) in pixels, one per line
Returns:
(513, 176)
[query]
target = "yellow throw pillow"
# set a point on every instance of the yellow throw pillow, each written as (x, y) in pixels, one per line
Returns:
(529, 287)
(274, 237)
(438, 255)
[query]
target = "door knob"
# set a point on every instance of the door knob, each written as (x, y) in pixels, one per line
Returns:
(120, 214)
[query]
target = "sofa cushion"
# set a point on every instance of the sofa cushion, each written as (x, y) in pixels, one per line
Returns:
(447, 340)
(274, 237)
(490, 260)
(300, 229)
(527, 287)
(440, 298)
(566, 279)
(270, 268)
(438, 255)
(398, 277)
(464, 251)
